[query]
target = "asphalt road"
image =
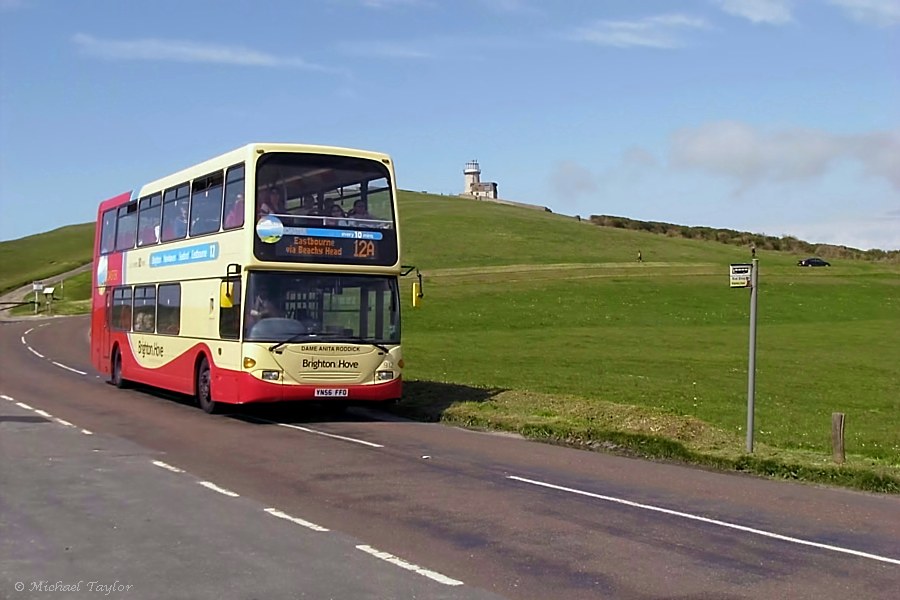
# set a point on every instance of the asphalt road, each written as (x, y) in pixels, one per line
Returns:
(141, 488)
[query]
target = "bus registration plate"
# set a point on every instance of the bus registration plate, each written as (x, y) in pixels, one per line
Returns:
(331, 392)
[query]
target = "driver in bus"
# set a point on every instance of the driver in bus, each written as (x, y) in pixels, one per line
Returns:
(264, 308)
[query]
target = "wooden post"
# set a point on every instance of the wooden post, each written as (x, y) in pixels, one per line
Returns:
(837, 437)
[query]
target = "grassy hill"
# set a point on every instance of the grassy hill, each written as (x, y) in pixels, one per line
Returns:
(548, 326)
(37, 257)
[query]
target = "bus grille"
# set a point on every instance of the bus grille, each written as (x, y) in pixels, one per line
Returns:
(342, 377)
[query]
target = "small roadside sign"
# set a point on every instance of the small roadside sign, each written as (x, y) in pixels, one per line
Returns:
(740, 275)
(37, 286)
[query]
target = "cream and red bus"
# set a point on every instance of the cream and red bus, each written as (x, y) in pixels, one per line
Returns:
(269, 273)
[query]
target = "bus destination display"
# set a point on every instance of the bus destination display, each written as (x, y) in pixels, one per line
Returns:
(313, 247)
(311, 244)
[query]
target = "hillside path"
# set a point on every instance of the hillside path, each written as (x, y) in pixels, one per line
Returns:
(17, 294)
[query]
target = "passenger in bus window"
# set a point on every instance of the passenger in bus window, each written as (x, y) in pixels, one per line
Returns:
(359, 210)
(270, 203)
(178, 225)
(235, 216)
(337, 216)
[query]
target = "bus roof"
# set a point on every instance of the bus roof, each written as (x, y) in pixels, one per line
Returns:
(245, 153)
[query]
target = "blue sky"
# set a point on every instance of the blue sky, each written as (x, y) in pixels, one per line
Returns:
(772, 116)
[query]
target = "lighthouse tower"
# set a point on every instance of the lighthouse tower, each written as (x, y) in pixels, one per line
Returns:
(473, 176)
(475, 187)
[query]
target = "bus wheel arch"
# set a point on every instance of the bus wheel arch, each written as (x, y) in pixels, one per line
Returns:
(203, 385)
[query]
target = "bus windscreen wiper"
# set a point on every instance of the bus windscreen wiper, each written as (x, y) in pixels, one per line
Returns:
(290, 340)
(330, 337)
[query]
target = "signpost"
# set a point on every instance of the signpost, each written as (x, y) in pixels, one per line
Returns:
(36, 286)
(747, 275)
(48, 295)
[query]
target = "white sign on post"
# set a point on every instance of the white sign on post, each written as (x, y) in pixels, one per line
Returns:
(740, 275)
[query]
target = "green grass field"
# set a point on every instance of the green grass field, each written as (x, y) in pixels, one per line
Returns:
(541, 324)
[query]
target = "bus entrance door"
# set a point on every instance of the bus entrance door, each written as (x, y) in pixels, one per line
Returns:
(104, 330)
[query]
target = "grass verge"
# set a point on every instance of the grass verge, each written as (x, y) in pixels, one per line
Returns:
(633, 431)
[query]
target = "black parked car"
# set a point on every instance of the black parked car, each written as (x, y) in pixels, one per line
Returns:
(813, 262)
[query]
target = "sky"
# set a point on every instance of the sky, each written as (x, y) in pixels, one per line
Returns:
(778, 117)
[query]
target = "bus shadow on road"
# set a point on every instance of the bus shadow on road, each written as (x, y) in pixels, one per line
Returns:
(422, 401)
(428, 400)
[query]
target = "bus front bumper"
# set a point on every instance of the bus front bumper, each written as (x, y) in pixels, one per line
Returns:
(251, 389)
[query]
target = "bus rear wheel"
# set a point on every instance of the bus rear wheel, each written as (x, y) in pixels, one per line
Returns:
(204, 388)
(116, 376)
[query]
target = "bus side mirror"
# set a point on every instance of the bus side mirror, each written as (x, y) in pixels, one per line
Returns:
(226, 294)
(417, 290)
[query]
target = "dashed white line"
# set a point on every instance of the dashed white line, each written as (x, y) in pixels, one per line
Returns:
(692, 517)
(167, 466)
(43, 413)
(23, 405)
(322, 433)
(86, 432)
(63, 422)
(23, 339)
(5, 397)
(27, 331)
(281, 515)
(35, 352)
(67, 368)
(215, 488)
(434, 575)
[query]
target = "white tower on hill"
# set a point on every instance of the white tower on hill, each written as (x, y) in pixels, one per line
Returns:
(474, 186)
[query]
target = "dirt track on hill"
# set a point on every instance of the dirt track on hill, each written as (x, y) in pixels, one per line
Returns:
(17, 294)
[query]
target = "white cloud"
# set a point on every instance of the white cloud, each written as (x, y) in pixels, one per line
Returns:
(385, 49)
(511, 6)
(753, 156)
(379, 4)
(11, 4)
(569, 180)
(661, 31)
(772, 12)
(635, 156)
(883, 13)
(878, 231)
(184, 51)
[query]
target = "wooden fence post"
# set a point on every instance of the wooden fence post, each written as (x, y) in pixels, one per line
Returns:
(837, 437)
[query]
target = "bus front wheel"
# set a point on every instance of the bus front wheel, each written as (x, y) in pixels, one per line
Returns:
(116, 377)
(204, 388)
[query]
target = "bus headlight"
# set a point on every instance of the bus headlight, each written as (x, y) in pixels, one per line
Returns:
(384, 375)
(271, 375)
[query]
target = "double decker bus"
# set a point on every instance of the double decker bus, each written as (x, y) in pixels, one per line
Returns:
(269, 273)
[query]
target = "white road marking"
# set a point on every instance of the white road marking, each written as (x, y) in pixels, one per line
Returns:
(27, 331)
(23, 340)
(43, 413)
(86, 432)
(5, 397)
(63, 422)
(685, 515)
(62, 366)
(167, 466)
(23, 405)
(309, 525)
(215, 488)
(409, 566)
(317, 432)
(35, 352)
